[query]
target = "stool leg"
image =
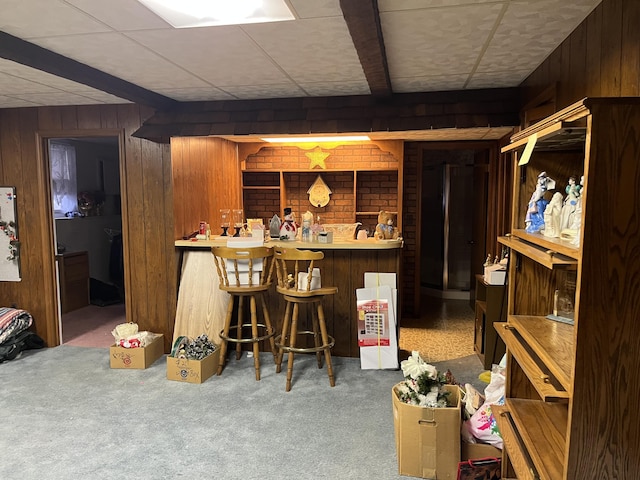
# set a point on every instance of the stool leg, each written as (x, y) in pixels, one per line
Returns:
(292, 344)
(316, 335)
(325, 341)
(254, 333)
(270, 330)
(240, 320)
(225, 331)
(283, 336)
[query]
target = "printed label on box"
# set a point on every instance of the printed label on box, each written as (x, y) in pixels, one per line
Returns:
(373, 323)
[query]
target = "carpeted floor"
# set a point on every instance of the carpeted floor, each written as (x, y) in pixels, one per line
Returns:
(66, 414)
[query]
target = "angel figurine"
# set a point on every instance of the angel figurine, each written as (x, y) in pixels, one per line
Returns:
(534, 219)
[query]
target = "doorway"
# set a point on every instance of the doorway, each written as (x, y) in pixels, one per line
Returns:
(449, 235)
(87, 225)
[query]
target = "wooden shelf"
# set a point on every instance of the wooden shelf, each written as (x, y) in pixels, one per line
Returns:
(541, 427)
(541, 376)
(542, 254)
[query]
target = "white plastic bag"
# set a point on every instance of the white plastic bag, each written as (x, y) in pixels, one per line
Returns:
(482, 426)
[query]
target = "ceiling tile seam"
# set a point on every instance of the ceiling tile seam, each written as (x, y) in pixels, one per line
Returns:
(446, 7)
(61, 90)
(151, 12)
(485, 46)
(180, 67)
(275, 64)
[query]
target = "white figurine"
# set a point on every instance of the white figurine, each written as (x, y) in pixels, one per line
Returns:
(552, 216)
(534, 219)
(568, 209)
(289, 227)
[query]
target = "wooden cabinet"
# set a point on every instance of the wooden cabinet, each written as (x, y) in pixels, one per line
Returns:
(490, 307)
(571, 409)
(74, 280)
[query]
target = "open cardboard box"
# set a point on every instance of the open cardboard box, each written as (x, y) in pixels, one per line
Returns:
(132, 358)
(193, 371)
(428, 439)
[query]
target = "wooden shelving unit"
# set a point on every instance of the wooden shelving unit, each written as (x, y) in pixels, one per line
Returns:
(490, 307)
(570, 387)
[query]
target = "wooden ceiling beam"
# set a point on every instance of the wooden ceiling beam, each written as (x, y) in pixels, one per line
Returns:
(363, 21)
(20, 51)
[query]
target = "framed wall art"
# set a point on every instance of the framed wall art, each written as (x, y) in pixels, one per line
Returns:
(9, 243)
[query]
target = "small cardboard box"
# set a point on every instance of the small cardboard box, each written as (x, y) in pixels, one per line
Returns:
(473, 451)
(428, 439)
(132, 358)
(192, 371)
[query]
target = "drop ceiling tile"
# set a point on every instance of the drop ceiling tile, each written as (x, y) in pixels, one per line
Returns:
(247, 92)
(217, 55)
(437, 41)
(102, 97)
(530, 31)
(310, 51)
(395, 5)
(429, 83)
(120, 56)
(59, 98)
(41, 18)
(316, 8)
(10, 84)
(194, 94)
(121, 15)
(329, 89)
(10, 102)
(497, 79)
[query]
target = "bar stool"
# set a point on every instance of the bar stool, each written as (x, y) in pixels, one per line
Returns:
(244, 272)
(290, 262)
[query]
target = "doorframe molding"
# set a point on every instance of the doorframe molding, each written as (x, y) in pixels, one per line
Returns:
(48, 221)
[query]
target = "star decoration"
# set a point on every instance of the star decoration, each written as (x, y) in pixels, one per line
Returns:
(317, 158)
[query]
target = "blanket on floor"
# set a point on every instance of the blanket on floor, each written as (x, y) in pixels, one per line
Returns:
(12, 322)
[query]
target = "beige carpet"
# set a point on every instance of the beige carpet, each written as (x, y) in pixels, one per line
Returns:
(444, 330)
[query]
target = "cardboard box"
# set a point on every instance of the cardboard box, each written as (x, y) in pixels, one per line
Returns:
(472, 451)
(495, 274)
(132, 358)
(192, 371)
(428, 439)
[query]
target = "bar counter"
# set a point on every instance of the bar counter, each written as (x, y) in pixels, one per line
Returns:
(202, 306)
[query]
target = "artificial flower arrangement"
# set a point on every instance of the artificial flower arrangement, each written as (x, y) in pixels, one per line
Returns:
(423, 383)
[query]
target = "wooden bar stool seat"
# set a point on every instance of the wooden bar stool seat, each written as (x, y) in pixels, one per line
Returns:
(289, 263)
(244, 272)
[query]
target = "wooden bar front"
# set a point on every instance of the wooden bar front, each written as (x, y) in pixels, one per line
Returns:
(201, 305)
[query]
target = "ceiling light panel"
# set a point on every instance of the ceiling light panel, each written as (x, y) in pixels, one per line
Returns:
(206, 13)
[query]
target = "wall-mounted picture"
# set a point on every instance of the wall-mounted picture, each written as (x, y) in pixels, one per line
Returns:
(9, 243)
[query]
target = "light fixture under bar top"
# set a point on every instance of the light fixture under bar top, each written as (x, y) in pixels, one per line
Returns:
(308, 139)
(206, 13)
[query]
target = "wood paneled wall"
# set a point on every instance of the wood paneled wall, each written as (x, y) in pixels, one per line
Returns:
(601, 58)
(147, 207)
(206, 178)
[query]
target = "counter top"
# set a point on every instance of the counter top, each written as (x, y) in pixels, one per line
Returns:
(368, 244)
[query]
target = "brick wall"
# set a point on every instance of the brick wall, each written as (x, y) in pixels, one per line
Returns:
(358, 188)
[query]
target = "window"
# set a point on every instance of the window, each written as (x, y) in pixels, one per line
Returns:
(63, 178)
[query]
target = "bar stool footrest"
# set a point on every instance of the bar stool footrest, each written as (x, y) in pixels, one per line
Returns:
(267, 335)
(314, 349)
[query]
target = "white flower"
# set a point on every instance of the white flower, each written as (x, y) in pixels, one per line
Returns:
(414, 366)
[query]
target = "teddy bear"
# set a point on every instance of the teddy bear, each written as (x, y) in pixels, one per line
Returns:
(386, 229)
